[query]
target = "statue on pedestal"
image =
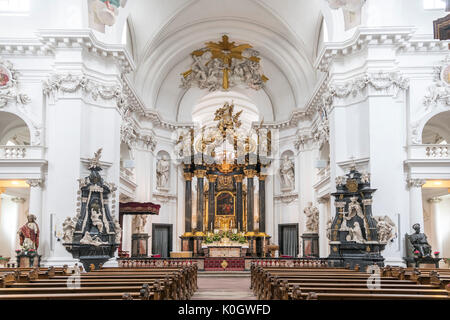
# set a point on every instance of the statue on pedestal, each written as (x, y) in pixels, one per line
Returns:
(312, 216)
(92, 235)
(29, 234)
(420, 242)
(139, 222)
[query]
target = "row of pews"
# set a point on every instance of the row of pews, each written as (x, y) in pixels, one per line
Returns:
(178, 283)
(272, 283)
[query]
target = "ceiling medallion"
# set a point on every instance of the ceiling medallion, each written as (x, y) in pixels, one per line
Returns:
(224, 65)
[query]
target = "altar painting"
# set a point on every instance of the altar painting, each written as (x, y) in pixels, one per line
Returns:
(225, 204)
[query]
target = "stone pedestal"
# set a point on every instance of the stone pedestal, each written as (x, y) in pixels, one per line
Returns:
(29, 260)
(139, 245)
(310, 245)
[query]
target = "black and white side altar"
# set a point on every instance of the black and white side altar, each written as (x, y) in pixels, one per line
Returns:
(92, 236)
(354, 233)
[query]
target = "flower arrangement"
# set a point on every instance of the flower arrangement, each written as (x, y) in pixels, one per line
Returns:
(416, 253)
(436, 253)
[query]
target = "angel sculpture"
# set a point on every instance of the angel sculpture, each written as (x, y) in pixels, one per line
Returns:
(68, 228)
(226, 118)
(386, 229)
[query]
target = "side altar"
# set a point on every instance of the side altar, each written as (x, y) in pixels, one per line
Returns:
(224, 161)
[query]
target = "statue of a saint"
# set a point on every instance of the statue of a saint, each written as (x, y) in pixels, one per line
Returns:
(68, 229)
(287, 173)
(29, 234)
(420, 242)
(162, 172)
(139, 222)
(96, 217)
(312, 216)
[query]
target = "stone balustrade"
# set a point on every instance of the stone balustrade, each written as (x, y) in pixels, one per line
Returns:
(21, 152)
(429, 151)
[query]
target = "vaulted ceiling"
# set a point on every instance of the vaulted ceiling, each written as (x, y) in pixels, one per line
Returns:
(285, 32)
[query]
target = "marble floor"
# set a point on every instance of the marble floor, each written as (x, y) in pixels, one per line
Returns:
(223, 286)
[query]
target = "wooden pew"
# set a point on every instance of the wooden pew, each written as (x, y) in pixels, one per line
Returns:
(273, 283)
(170, 283)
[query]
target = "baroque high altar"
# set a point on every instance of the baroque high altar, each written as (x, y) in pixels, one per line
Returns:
(230, 158)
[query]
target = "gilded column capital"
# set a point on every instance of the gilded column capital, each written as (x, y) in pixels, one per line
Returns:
(200, 173)
(250, 173)
(212, 177)
(187, 176)
(239, 178)
(262, 177)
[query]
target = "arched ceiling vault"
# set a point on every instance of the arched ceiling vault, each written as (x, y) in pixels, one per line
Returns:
(287, 51)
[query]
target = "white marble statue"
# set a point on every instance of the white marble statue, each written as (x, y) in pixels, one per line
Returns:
(163, 172)
(312, 218)
(93, 241)
(139, 222)
(287, 174)
(118, 231)
(96, 218)
(387, 231)
(354, 233)
(68, 229)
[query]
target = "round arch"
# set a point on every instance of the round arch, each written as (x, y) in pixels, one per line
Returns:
(12, 122)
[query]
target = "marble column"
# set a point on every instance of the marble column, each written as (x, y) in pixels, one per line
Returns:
(239, 203)
(262, 203)
(35, 206)
(323, 240)
(435, 243)
(200, 174)
(211, 203)
(415, 202)
(250, 174)
(188, 203)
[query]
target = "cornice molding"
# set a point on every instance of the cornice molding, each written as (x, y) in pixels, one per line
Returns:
(85, 38)
(400, 37)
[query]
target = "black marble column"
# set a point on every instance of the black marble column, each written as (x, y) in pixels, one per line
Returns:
(250, 198)
(262, 203)
(239, 203)
(200, 176)
(211, 201)
(188, 203)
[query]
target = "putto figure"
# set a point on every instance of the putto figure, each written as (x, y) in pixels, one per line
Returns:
(29, 234)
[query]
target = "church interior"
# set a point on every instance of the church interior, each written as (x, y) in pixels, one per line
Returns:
(225, 150)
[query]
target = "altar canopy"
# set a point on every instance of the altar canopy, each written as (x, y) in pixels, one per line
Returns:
(225, 155)
(139, 208)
